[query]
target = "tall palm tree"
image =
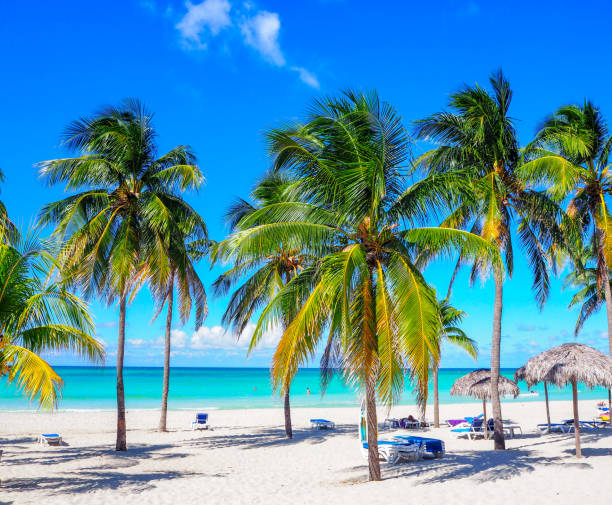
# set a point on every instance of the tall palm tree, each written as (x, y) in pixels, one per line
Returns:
(122, 213)
(8, 230)
(266, 276)
(590, 295)
(38, 315)
(449, 331)
(187, 242)
(478, 137)
(355, 215)
(571, 156)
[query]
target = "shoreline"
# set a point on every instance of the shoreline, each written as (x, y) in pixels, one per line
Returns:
(462, 404)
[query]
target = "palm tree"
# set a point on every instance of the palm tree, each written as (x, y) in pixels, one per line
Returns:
(187, 242)
(8, 230)
(123, 213)
(36, 316)
(590, 295)
(479, 137)
(355, 215)
(571, 156)
(449, 331)
(267, 275)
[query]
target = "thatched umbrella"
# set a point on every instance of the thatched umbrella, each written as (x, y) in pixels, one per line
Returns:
(521, 374)
(571, 363)
(477, 384)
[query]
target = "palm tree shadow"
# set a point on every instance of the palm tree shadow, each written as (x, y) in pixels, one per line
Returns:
(88, 481)
(64, 454)
(94, 474)
(481, 466)
(269, 437)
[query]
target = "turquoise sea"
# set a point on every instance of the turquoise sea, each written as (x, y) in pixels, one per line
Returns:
(227, 388)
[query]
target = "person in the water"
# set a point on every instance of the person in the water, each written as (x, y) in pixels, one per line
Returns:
(307, 391)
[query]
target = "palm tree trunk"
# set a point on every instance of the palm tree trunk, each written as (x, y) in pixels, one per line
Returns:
(498, 433)
(436, 399)
(166, 383)
(372, 423)
(121, 444)
(288, 429)
(608, 294)
(486, 424)
(576, 418)
(547, 406)
(370, 345)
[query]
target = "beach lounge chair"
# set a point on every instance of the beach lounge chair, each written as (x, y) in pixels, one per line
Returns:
(556, 427)
(409, 424)
(587, 424)
(201, 422)
(463, 420)
(322, 424)
(390, 451)
(472, 430)
(391, 423)
(49, 439)
(432, 447)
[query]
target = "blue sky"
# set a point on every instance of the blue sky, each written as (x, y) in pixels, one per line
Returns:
(217, 73)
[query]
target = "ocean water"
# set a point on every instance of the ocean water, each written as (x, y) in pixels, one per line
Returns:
(230, 388)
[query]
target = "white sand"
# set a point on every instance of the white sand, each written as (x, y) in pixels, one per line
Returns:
(246, 459)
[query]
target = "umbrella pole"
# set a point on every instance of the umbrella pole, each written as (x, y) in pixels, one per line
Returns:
(576, 423)
(486, 424)
(547, 406)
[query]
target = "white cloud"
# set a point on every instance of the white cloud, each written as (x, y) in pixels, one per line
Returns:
(209, 16)
(261, 32)
(178, 338)
(218, 337)
(138, 342)
(307, 77)
(215, 337)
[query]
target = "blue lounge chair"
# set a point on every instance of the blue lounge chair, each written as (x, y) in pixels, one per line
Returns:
(322, 424)
(473, 429)
(556, 427)
(433, 447)
(201, 422)
(587, 424)
(390, 451)
(50, 439)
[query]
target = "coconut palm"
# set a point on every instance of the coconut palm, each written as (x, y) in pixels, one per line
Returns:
(571, 156)
(479, 137)
(590, 295)
(187, 242)
(449, 331)
(266, 276)
(122, 213)
(38, 315)
(362, 296)
(8, 230)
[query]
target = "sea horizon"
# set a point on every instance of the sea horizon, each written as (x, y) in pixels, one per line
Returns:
(93, 388)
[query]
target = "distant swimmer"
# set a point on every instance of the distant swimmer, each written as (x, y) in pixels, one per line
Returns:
(255, 388)
(307, 391)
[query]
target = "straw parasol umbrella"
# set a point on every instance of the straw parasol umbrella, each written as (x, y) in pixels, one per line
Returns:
(477, 384)
(570, 364)
(521, 374)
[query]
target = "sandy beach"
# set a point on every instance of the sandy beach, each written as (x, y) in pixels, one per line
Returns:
(246, 459)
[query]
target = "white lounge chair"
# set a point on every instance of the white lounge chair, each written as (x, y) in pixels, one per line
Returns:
(322, 424)
(49, 439)
(388, 450)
